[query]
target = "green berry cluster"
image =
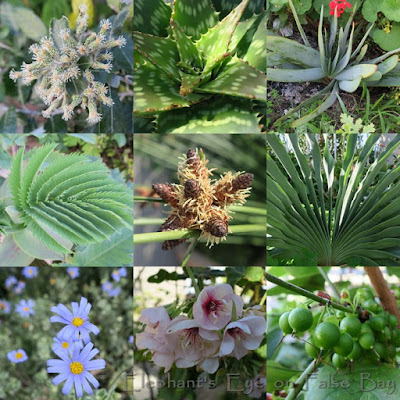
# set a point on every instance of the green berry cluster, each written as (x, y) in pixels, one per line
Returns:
(369, 333)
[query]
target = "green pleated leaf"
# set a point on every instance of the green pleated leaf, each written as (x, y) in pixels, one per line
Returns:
(222, 116)
(194, 16)
(152, 17)
(216, 41)
(115, 252)
(238, 79)
(154, 92)
(161, 52)
(57, 198)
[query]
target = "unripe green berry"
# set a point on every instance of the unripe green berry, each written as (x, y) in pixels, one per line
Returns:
(300, 319)
(284, 323)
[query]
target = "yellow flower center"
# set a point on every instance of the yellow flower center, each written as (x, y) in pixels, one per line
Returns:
(26, 309)
(77, 322)
(76, 368)
(65, 345)
(30, 271)
(18, 355)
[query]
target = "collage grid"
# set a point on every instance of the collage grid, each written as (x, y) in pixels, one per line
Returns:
(142, 145)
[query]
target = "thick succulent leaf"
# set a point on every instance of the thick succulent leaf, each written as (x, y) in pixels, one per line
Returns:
(274, 59)
(294, 75)
(241, 31)
(293, 51)
(195, 16)
(189, 55)
(391, 79)
(115, 252)
(152, 17)
(388, 65)
(238, 79)
(225, 6)
(61, 202)
(161, 52)
(357, 71)
(154, 93)
(256, 52)
(189, 83)
(350, 86)
(225, 115)
(215, 43)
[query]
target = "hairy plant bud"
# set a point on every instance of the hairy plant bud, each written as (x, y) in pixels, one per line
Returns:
(192, 188)
(166, 192)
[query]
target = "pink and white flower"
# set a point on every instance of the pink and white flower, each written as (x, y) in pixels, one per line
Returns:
(213, 307)
(242, 335)
(154, 338)
(194, 345)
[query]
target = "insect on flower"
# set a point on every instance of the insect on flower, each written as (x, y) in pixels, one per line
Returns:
(201, 203)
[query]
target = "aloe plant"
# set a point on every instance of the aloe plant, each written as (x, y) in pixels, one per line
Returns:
(338, 62)
(55, 202)
(352, 220)
(195, 72)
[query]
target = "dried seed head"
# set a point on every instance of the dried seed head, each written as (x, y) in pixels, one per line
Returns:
(243, 181)
(192, 158)
(217, 227)
(192, 188)
(171, 224)
(167, 193)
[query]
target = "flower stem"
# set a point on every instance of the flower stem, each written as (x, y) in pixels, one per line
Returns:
(190, 249)
(192, 277)
(330, 283)
(262, 301)
(306, 293)
(298, 385)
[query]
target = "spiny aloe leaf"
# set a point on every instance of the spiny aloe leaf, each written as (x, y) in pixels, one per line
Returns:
(240, 32)
(194, 16)
(152, 17)
(161, 52)
(189, 83)
(154, 92)
(218, 116)
(238, 79)
(188, 52)
(256, 51)
(215, 42)
(225, 6)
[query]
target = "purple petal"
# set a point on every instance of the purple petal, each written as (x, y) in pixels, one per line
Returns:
(68, 385)
(95, 365)
(78, 386)
(91, 379)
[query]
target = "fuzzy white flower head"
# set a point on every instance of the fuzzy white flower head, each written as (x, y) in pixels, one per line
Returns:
(121, 42)
(105, 24)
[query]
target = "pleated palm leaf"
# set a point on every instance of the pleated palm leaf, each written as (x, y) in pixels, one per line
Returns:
(358, 223)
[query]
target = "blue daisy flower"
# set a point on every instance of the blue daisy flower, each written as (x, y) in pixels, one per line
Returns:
(75, 369)
(117, 274)
(130, 339)
(115, 292)
(107, 287)
(5, 307)
(30, 272)
(66, 345)
(25, 308)
(20, 287)
(77, 322)
(17, 356)
(73, 272)
(10, 281)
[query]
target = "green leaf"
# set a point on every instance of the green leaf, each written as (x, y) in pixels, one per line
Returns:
(295, 75)
(254, 274)
(238, 79)
(302, 6)
(152, 17)
(388, 41)
(294, 51)
(219, 116)
(161, 52)
(8, 121)
(254, 7)
(54, 9)
(195, 17)
(366, 382)
(215, 43)
(57, 25)
(113, 252)
(16, 18)
(30, 245)
(391, 9)
(154, 92)
(357, 71)
(255, 55)
(371, 9)
(11, 255)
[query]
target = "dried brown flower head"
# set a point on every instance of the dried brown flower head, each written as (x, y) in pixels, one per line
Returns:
(200, 202)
